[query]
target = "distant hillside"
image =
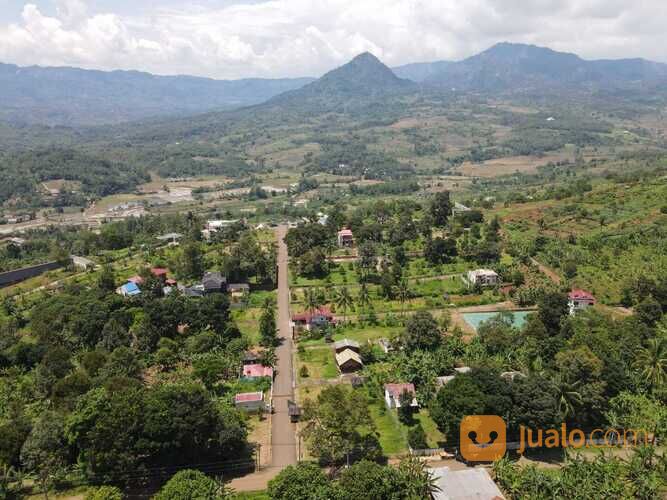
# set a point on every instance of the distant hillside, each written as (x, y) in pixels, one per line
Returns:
(71, 96)
(419, 72)
(518, 66)
(365, 77)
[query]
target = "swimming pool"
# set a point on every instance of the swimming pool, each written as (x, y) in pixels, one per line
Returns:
(474, 319)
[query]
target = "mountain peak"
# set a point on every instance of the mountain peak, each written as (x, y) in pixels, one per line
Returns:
(364, 76)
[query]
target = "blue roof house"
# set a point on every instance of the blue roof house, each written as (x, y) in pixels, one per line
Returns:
(128, 290)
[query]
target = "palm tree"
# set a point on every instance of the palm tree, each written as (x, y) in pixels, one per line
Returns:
(311, 300)
(343, 300)
(404, 293)
(364, 297)
(568, 397)
(652, 361)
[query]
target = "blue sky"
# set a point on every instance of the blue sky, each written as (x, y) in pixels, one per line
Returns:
(276, 38)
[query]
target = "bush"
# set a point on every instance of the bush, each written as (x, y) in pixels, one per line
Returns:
(105, 493)
(191, 485)
(303, 371)
(417, 437)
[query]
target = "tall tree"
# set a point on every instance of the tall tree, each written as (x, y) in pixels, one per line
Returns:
(441, 208)
(344, 301)
(651, 361)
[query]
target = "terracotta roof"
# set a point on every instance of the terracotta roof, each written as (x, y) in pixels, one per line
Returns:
(395, 390)
(159, 271)
(257, 370)
(307, 315)
(345, 232)
(245, 397)
(578, 294)
(137, 280)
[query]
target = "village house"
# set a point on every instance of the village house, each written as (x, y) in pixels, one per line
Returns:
(249, 401)
(252, 357)
(238, 291)
(214, 282)
(341, 345)
(482, 277)
(392, 395)
(257, 370)
(129, 289)
(345, 238)
(348, 361)
(312, 319)
(578, 300)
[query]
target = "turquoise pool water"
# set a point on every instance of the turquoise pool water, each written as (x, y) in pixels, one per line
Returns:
(475, 319)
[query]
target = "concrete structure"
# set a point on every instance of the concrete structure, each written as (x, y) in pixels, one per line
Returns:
(82, 262)
(392, 395)
(482, 277)
(249, 401)
(257, 370)
(345, 238)
(466, 484)
(460, 208)
(578, 300)
(349, 361)
(238, 290)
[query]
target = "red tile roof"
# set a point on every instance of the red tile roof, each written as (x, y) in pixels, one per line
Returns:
(248, 396)
(137, 280)
(345, 232)
(257, 370)
(159, 271)
(395, 390)
(578, 294)
(307, 315)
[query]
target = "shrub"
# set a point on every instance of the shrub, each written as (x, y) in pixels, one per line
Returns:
(417, 437)
(303, 371)
(105, 493)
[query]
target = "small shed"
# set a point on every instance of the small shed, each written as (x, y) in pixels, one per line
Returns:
(392, 394)
(128, 290)
(249, 401)
(82, 262)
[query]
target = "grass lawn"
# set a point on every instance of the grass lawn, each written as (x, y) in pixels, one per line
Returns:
(393, 437)
(248, 322)
(434, 437)
(320, 363)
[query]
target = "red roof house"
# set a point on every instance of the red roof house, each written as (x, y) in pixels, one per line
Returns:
(345, 238)
(580, 299)
(392, 394)
(137, 280)
(257, 370)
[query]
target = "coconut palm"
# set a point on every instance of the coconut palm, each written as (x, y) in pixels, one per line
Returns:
(404, 293)
(311, 300)
(569, 397)
(364, 297)
(651, 361)
(343, 300)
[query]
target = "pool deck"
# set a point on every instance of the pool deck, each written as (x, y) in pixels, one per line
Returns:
(469, 331)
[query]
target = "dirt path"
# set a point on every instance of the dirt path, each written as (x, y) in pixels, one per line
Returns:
(550, 273)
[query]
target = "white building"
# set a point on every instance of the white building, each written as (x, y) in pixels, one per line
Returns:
(482, 277)
(578, 300)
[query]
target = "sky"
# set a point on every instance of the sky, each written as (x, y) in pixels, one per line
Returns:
(290, 38)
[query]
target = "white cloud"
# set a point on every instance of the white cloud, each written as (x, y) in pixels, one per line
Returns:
(304, 37)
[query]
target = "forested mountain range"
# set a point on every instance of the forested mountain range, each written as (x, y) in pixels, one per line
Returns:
(73, 96)
(78, 97)
(519, 66)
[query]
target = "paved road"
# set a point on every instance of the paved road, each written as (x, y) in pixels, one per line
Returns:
(283, 432)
